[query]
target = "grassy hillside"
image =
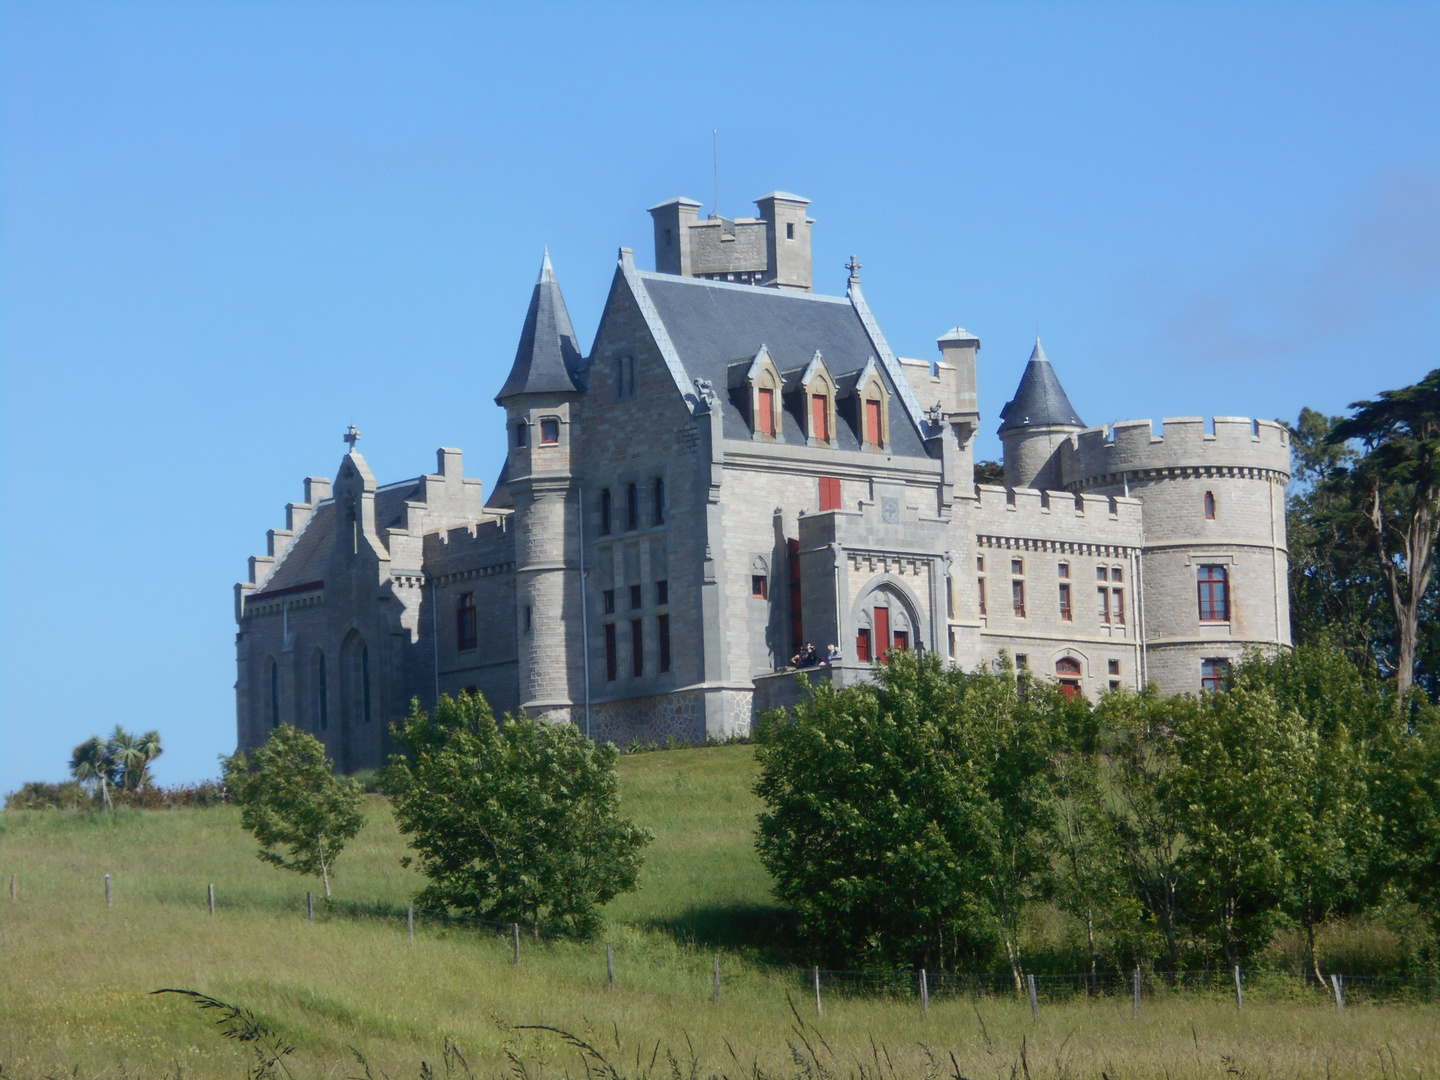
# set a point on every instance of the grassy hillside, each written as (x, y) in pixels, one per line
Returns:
(76, 975)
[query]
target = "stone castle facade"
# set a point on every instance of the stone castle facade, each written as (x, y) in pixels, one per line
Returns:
(738, 466)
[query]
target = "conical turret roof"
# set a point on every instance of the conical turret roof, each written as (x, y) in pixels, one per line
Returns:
(548, 354)
(1039, 400)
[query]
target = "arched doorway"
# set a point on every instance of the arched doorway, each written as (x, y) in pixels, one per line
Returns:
(885, 621)
(1067, 670)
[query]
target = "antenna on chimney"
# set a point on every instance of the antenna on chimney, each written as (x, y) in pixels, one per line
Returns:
(715, 157)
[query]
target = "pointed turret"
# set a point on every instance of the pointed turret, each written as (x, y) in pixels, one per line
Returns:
(1039, 400)
(1034, 424)
(548, 356)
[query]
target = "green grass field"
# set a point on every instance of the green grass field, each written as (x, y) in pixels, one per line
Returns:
(74, 991)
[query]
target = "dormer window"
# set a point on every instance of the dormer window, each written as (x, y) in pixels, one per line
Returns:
(813, 388)
(868, 407)
(765, 411)
(756, 385)
(820, 417)
(549, 431)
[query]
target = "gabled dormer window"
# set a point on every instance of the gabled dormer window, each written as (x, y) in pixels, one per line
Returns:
(867, 406)
(816, 388)
(756, 386)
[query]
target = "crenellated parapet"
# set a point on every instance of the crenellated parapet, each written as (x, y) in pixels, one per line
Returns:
(1238, 446)
(1056, 520)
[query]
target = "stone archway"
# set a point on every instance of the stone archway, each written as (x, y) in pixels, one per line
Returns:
(886, 617)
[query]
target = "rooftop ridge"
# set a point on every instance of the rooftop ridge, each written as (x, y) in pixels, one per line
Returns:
(766, 290)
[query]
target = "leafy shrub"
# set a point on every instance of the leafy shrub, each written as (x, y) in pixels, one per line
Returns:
(38, 795)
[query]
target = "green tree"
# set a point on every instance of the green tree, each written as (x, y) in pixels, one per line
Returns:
(1396, 484)
(91, 763)
(516, 820)
(129, 758)
(1237, 789)
(291, 799)
(907, 819)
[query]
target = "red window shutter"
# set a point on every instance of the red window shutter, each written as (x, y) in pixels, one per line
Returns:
(765, 421)
(862, 647)
(872, 422)
(882, 631)
(829, 493)
(820, 418)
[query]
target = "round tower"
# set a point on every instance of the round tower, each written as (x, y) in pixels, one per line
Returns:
(1038, 419)
(1215, 570)
(541, 398)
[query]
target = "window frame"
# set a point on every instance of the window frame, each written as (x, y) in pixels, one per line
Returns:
(549, 425)
(612, 653)
(607, 511)
(1067, 612)
(467, 627)
(632, 506)
(662, 637)
(1208, 577)
(657, 501)
(637, 648)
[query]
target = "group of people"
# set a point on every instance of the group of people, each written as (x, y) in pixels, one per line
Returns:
(810, 657)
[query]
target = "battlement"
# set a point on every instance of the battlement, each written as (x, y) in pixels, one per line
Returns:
(1058, 515)
(481, 547)
(1237, 442)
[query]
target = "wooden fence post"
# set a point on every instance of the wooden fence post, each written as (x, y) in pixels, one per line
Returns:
(1239, 991)
(1338, 983)
(515, 932)
(309, 907)
(717, 979)
(12, 886)
(1137, 990)
(211, 890)
(108, 902)
(819, 1008)
(924, 993)
(410, 921)
(1034, 1001)
(610, 964)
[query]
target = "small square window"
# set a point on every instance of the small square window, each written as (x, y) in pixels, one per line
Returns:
(1117, 574)
(1102, 573)
(662, 592)
(1064, 569)
(608, 599)
(1114, 684)
(1114, 667)
(789, 230)
(1022, 661)
(759, 586)
(549, 432)
(1017, 566)
(635, 598)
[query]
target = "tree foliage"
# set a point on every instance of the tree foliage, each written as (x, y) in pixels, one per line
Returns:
(515, 820)
(291, 800)
(122, 761)
(906, 819)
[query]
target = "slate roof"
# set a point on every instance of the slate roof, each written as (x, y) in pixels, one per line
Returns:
(714, 325)
(1039, 399)
(548, 355)
(306, 559)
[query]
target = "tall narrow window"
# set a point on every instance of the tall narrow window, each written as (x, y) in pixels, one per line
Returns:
(549, 432)
(632, 506)
(797, 626)
(820, 418)
(662, 635)
(528, 618)
(637, 647)
(522, 432)
(1118, 607)
(605, 511)
(1067, 670)
(881, 617)
(657, 495)
(765, 411)
(1103, 596)
(1017, 598)
(465, 631)
(636, 597)
(863, 652)
(759, 586)
(274, 694)
(949, 597)
(662, 593)
(872, 423)
(607, 600)
(1214, 591)
(789, 230)
(980, 593)
(1065, 612)
(322, 694)
(365, 682)
(829, 493)
(611, 658)
(1210, 506)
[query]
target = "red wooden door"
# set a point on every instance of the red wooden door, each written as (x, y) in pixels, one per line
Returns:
(882, 631)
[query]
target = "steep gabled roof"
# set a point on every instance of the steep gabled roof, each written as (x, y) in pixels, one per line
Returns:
(548, 355)
(704, 327)
(1039, 400)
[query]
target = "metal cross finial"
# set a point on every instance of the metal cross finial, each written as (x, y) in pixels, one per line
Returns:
(352, 435)
(854, 267)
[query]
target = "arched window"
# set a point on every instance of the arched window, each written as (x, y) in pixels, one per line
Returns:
(274, 693)
(365, 681)
(1067, 670)
(322, 694)
(1209, 506)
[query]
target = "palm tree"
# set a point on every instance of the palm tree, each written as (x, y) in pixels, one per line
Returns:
(125, 752)
(150, 749)
(91, 764)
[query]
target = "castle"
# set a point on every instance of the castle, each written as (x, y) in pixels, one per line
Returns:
(739, 466)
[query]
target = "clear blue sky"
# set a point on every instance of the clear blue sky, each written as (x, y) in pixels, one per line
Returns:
(229, 230)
